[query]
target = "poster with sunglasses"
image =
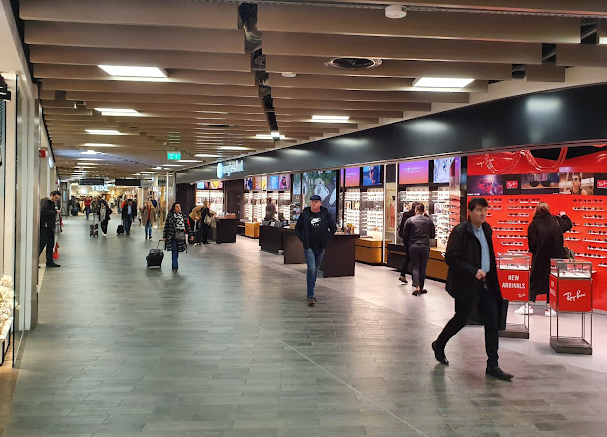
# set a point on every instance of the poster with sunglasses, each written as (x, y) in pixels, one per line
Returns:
(490, 185)
(580, 184)
(541, 183)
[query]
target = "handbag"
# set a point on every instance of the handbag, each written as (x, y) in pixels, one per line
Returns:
(208, 220)
(179, 236)
(567, 252)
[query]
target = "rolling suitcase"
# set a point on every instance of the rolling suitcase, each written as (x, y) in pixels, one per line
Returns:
(120, 229)
(94, 228)
(155, 257)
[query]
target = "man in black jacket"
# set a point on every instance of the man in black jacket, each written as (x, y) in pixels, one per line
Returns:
(472, 281)
(315, 227)
(401, 233)
(48, 215)
(129, 212)
(419, 230)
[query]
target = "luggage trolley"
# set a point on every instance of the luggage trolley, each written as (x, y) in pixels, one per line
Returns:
(513, 277)
(571, 292)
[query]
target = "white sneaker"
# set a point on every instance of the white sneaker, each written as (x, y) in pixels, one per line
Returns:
(549, 312)
(105, 235)
(525, 309)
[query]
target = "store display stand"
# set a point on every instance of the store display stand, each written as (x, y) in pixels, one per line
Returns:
(5, 340)
(513, 277)
(571, 292)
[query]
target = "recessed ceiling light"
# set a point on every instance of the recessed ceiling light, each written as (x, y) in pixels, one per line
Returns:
(134, 71)
(99, 145)
(206, 155)
(103, 132)
(441, 82)
(117, 112)
(288, 74)
(157, 168)
(234, 148)
(269, 137)
(330, 118)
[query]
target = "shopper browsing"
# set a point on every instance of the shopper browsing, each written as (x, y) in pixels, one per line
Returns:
(205, 228)
(401, 229)
(175, 235)
(545, 238)
(48, 216)
(270, 210)
(315, 227)
(472, 281)
(418, 231)
(103, 213)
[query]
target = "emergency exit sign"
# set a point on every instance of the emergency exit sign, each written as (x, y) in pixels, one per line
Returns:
(173, 156)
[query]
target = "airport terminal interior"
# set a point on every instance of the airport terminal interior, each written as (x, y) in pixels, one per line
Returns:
(174, 175)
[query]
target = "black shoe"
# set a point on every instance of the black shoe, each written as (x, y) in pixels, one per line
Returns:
(498, 373)
(423, 291)
(53, 265)
(175, 269)
(416, 293)
(439, 354)
(403, 280)
(311, 301)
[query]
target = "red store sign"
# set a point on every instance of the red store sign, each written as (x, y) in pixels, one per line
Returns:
(514, 284)
(570, 294)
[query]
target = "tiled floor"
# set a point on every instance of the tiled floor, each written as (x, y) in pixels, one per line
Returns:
(227, 347)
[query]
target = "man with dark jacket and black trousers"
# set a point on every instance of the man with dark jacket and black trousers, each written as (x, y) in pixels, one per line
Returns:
(419, 230)
(48, 216)
(472, 281)
(129, 213)
(401, 233)
(315, 227)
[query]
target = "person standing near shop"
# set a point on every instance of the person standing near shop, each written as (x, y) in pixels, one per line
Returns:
(87, 207)
(48, 216)
(149, 218)
(270, 210)
(103, 213)
(205, 229)
(129, 212)
(545, 238)
(401, 229)
(472, 281)
(175, 234)
(418, 231)
(314, 228)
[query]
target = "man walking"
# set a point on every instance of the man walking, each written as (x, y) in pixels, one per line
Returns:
(87, 207)
(472, 281)
(129, 212)
(315, 227)
(418, 231)
(48, 216)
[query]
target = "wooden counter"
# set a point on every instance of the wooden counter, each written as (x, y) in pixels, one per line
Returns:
(436, 269)
(293, 249)
(251, 229)
(225, 230)
(271, 239)
(368, 250)
(339, 259)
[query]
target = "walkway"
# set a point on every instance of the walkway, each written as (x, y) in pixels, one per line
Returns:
(227, 347)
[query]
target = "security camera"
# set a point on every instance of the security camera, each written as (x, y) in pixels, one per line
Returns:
(396, 11)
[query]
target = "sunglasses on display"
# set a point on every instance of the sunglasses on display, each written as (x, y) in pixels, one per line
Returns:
(521, 207)
(510, 237)
(512, 243)
(591, 232)
(572, 239)
(595, 240)
(602, 249)
(588, 208)
(588, 200)
(590, 255)
(544, 184)
(518, 214)
(509, 229)
(595, 225)
(514, 222)
(602, 265)
(592, 216)
(523, 200)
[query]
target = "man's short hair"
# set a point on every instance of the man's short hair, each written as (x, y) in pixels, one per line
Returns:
(419, 207)
(477, 201)
(55, 193)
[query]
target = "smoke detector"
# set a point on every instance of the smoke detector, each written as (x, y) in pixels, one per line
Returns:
(396, 11)
(353, 63)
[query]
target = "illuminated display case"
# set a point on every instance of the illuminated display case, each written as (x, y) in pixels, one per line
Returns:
(372, 213)
(284, 204)
(352, 209)
(215, 199)
(248, 207)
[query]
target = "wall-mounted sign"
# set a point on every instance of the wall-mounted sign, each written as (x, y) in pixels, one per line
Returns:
(173, 156)
(226, 169)
(92, 181)
(100, 188)
(128, 182)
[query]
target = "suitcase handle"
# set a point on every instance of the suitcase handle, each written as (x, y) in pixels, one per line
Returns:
(158, 245)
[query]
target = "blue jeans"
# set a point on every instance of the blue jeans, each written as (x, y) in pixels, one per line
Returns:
(174, 254)
(127, 225)
(87, 210)
(313, 259)
(148, 229)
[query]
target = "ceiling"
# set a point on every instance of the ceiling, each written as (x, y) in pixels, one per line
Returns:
(226, 65)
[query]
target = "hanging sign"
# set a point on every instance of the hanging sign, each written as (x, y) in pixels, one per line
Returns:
(173, 156)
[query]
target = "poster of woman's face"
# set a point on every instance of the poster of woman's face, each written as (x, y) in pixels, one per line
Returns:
(580, 184)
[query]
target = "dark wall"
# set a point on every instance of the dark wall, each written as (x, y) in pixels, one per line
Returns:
(234, 192)
(186, 197)
(570, 115)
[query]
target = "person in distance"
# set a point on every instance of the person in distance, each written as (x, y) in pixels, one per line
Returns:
(419, 229)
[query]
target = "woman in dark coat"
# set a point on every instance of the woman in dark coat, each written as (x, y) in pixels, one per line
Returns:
(206, 229)
(176, 226)
(545, 237)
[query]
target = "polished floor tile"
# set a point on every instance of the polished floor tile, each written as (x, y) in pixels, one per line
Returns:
(228, 347)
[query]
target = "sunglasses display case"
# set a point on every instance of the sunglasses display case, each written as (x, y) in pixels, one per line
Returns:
(513, 277)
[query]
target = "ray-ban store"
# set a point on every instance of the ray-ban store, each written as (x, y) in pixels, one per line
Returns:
(507, 150)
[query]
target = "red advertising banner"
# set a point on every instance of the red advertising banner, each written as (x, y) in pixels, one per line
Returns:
(514, 284)
(573, 295)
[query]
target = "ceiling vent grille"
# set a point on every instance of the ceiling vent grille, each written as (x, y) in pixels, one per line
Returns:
(353, 63)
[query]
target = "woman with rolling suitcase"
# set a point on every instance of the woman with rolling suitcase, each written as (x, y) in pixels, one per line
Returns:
(175, 235)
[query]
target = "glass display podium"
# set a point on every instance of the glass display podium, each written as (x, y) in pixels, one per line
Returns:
(513, 277)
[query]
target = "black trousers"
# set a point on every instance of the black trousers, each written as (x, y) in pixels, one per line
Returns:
(407, 264)
(205, 233)
(487, 304)
(104, 227)
(47, 239)
(419, 261)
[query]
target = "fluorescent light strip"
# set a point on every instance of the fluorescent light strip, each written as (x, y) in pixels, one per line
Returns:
(269, 137)
(205, 155)
(134, 71)
(234, 148)
(330, 118)
(103, 132)
(117, 110)
(100, 145)
(441, 82)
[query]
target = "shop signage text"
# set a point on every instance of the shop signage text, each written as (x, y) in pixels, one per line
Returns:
(229, 167)
(93, 181)
(514, 286)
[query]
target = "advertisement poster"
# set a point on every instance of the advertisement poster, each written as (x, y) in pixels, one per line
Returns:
(273, 182)
(413, 172)
(248, 184)
(352, 177)
(257, 183)
(372, 176)
(581, 184)
(488, 185)
(297, 184)
(324, 184)
(285, 182)
(539, 183)
(442, 168)
(215, 185)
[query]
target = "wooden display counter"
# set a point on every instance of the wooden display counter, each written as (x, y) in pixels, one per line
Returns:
(293, 249)
(368, 250)
(251, 229)
(339, 259)
(271, 239)
(225, 230)
(437, 267)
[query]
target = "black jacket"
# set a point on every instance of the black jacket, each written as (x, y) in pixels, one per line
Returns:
(125, 211)
(108, 212)
(303, 227)
(545, 238)
(463, 256)
(48, 214)
(419, 229)
(401, 228)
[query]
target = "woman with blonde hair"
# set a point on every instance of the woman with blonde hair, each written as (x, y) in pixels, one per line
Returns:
(206, 229)
(545, 238)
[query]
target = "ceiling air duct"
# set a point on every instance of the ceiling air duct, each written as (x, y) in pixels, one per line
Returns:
(353, 63)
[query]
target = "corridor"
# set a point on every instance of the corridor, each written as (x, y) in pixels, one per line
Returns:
(227, 347)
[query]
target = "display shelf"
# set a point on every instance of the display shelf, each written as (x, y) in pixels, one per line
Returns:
(372, 213)
(440, 214)
(248, 207)
(352, 209)
(284, 204)
(215, 199)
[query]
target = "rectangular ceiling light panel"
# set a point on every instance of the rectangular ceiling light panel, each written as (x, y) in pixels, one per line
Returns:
(441, 82)
(103, 132)
(134, 71)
